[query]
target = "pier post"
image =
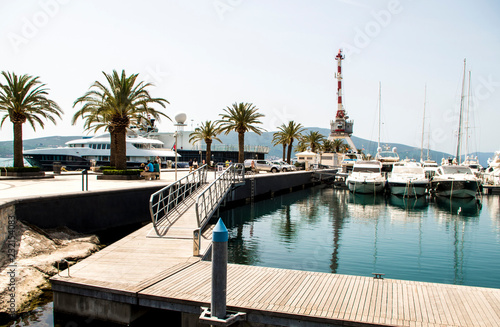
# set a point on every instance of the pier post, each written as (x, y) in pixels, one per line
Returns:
(218, 315)
(219, 270)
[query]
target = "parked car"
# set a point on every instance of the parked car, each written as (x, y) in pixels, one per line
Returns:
(284, 166)
(262, 165)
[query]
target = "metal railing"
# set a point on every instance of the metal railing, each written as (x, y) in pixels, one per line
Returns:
(162, 202)
(208, 201)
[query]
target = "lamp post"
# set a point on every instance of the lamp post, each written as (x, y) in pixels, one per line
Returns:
(175, 149)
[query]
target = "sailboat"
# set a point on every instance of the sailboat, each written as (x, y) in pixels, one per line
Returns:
(453, 180)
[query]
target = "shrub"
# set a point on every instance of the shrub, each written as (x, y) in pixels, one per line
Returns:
(103, 168)
(21, 169)
(121, 172)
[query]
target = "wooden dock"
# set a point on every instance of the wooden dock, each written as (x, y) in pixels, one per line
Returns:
(146, 270)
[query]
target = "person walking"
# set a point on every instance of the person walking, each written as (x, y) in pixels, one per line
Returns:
(190, 165)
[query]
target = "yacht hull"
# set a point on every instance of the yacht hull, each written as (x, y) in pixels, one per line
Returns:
(407, 189)
(365, 187)
(456, 188)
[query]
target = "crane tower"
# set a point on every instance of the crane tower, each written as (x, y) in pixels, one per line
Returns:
(341, 127)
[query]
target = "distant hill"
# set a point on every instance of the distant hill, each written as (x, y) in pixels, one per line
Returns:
(265, 139)
(7, 147)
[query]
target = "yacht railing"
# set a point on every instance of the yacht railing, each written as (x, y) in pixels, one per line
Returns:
(162, 202)
(210, 199)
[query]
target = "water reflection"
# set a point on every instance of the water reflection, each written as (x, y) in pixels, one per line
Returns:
(332, 230)
(409, 203)
(462, 207)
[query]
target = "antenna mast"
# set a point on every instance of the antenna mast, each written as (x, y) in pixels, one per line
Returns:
(379, 111)
(460, 117)
(423, 127)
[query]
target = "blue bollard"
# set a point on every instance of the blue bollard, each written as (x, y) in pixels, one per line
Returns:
(219, 270)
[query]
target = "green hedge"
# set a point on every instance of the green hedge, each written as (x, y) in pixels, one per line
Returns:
(21, 169)
(103, 168)
(121, 172)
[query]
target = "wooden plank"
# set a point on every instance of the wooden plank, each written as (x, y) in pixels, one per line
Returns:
(277, 302)
(342, 298)
(347, 306)
(371, 301)
(315, 300)
(364, 300)
(328, 299)
(314, 286)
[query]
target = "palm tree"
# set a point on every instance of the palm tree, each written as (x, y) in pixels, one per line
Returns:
(279, 137)
(115, 108)
(327, 146)
(292, 131)
(314, 140)
(302, 146)
(338, 144)
(24, 99)
(207, 132)
(241, 117)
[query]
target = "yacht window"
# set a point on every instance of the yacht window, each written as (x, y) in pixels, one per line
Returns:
(366, 170)
(456, 170)
(407, 170)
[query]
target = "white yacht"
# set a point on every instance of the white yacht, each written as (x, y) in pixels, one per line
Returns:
(366, 177)
(430, 168)
(495, 161)
(491, 174)
(455, 181)
(85, 152)
(348, 161)
(473, 164)
(408, 179)
(387, 158)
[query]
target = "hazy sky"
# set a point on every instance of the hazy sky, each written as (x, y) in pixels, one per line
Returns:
(205, 55)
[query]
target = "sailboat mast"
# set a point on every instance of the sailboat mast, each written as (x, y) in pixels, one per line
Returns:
(460, 117)
(429, 142)
(423, 127)
(467, 121)
(379, 111)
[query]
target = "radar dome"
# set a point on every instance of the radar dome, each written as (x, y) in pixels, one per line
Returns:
(180, 118)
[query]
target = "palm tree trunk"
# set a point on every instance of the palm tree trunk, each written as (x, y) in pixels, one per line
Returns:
(121, 151)
(241, 147)
(284, 150)
(289, 152)
(18, 145)
(209, 151)
(112, 150)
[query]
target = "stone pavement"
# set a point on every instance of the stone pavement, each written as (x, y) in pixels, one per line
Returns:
(14, 189)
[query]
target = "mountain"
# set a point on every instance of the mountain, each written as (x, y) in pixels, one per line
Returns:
(7, 147)
(265, 139)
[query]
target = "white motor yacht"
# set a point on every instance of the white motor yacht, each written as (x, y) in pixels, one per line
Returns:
(455, 181)
(473, 164)
(348, 161)
(366, 177)
(430, 168)
(491, 174)
(387, 158)
(408, 179)
(80, 153)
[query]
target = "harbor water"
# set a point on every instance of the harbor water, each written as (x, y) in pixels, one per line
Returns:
(334, 231)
